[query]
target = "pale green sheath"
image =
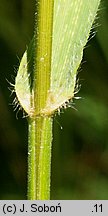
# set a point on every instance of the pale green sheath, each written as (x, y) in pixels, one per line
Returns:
(72, 22)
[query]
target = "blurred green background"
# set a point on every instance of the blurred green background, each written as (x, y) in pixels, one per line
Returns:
(80, 143)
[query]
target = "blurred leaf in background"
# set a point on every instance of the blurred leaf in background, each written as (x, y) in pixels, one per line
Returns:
(16, 31)
(80, 148)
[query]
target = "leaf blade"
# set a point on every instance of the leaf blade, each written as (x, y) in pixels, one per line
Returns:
(71, 28)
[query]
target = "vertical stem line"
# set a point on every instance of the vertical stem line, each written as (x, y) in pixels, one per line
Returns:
(31, 160)
(43, 48)
(43, 157)
(40, 127)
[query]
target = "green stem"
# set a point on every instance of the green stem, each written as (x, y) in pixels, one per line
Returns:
(31, 160)
(43, 160)
(39, 158)
(40, 127)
